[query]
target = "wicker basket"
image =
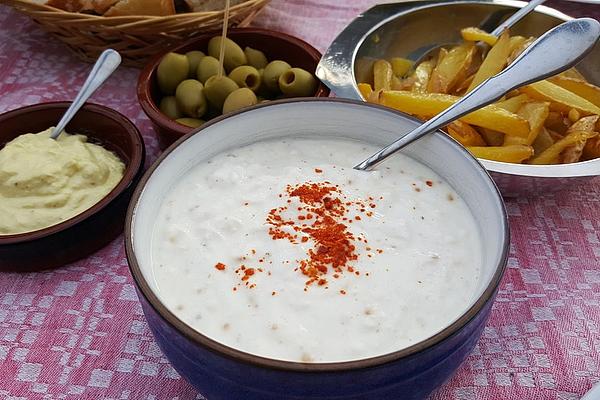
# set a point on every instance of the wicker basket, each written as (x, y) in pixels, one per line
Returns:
(137, 38)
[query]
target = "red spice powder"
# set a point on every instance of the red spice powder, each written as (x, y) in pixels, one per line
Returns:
(334, 246)
(220, 266)
(248, 272)
(321, 219)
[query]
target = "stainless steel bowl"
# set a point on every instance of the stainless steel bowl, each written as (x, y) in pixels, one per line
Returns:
(402, 29)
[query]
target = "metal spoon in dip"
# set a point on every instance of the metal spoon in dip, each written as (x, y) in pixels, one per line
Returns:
(555, 51)
(106, 64)
(426, 52)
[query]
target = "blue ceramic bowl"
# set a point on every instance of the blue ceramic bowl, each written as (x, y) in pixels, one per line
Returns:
(221, 372)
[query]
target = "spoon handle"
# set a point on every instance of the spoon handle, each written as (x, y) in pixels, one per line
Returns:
(106, 64)
(516, 17)
(555, 51)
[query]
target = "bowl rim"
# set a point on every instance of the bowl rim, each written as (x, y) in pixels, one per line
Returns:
(587, 168)
(579, 169)
(274, 364)
(131, 170)
(143, 85)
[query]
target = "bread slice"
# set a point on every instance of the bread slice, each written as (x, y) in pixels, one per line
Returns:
(210, 5)
(141, 7)
(67, 5)
(102, 6)
(98, 7)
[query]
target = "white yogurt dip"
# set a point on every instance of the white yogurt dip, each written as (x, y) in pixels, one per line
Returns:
(282, 250)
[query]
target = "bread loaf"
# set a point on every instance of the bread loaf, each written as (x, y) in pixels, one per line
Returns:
(136, 7)
(210, 5)
(101, 6)
(67, 5)
(142, 7)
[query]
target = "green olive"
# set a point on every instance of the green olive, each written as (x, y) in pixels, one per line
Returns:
(256, 58)
(239, 98)
(172, 69)
(190, 98)
(272, 72)
(212, 112)
(263, 91)
(234, 55)
(246, 76)
(168, 106)
(207, 67)
(191, 122)
(194, 58)
(297, 82)
(217, 89)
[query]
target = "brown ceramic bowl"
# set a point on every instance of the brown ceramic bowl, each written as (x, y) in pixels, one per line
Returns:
(275, 45)
(87, 232)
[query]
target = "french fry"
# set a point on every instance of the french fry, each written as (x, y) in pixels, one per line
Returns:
(552, 154)
(492, 137)
(557, 122)
(450, 69)
(494, 62)
(555, 135)
(462, 87)
(465, 134)
(442, 52)
(421, 76)
(476, 62)
(585, 124)
(551, 121)
(572, 153)
(517, 46)
(560, 99)
(591, 149)
(542, 141)
(513, 154)
(535, 113)
(396, 83)
(516, 42)
(382, 75)
(403, 83)
(572, 73)
(573, 115)
(473, 34)
(581, 88)
(426, 105)
(374, 97)
(400, 66)
(365, 90)
(513, 104)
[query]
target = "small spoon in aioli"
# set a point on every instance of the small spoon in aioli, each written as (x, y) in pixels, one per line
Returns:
(555, 51)
(106, 64)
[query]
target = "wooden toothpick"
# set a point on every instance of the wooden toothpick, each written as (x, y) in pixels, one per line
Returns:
(223, 36)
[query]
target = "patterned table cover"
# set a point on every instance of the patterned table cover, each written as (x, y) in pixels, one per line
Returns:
(78, 332)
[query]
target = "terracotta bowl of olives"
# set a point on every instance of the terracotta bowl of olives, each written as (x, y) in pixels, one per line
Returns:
(181, 88)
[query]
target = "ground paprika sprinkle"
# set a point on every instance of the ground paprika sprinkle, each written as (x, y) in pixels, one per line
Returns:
(320, 219)
(320, 215)
(220, 266)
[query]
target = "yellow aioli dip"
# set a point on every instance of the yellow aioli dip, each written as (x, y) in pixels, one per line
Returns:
(45, 181)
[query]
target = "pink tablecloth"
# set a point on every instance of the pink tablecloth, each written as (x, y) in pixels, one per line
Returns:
(78, 331)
